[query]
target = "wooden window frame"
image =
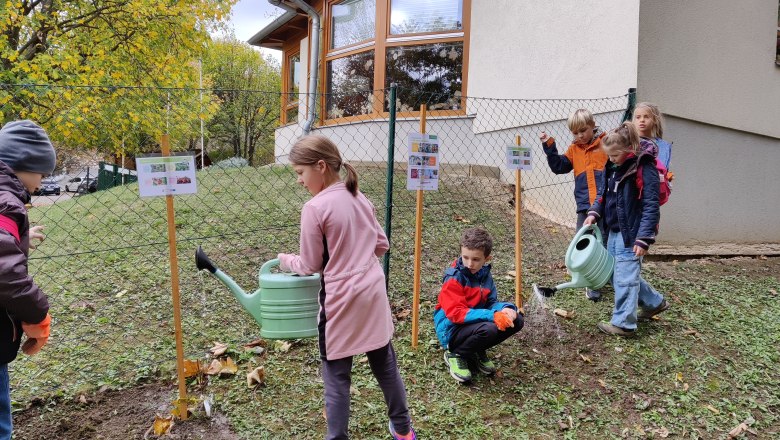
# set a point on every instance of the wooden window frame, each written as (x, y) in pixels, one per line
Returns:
(287, 98)
(380, 46)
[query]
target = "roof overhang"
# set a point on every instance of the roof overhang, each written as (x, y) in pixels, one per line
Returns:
(281, 30)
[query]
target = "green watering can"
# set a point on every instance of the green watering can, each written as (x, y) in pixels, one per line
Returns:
(588, 262)
(285, 305)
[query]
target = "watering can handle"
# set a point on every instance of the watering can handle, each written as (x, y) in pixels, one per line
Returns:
(268, 265)
(587, 228)
(579, 234)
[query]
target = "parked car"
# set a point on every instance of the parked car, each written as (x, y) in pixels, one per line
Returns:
(72, 185)
(87, 185)
(49, 186)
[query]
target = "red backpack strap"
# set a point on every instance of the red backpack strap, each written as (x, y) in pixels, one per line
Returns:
(7, 224)
(640, 182)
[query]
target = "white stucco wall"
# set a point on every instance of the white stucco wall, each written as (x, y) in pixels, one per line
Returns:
(712, 61)
(552, 49)
(710, 66)
(721, 193)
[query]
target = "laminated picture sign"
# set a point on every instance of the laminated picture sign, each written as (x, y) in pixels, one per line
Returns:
(518, 157)
(423, 167)
(163, 176)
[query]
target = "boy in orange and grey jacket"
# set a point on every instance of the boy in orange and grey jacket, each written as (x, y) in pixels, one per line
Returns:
(586, 158)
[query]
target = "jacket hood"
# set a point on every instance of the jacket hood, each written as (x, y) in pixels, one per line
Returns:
(9, 182)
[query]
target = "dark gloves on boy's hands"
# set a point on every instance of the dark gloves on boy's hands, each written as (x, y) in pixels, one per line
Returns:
(37, 335)
(502, 321)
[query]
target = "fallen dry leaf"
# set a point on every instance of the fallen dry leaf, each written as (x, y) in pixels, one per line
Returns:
(585, 358)
(256, 343)
(82, 399)
(565, 313)
(228, 367)
(773, 291)
(191, 368)
(403, 313)
(512, 273)
(214, 368)
(282, 346)
(691, 332)
(602, 383)
(162, 425)
(713, 409)
(218, 349)
(256, 377)
(662, 432)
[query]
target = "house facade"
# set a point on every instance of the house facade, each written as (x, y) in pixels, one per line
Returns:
(711, 67)
(466, 59)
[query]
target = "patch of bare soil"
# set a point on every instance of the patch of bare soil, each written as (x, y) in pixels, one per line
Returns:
(122, 414)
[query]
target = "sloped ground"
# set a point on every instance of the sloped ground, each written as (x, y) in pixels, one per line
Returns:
(705, 367)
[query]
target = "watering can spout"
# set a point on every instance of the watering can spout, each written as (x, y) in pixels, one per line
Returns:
(202, 262)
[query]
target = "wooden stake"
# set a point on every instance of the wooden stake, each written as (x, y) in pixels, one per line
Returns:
(518, 239)
(182, 401)
(417, 249)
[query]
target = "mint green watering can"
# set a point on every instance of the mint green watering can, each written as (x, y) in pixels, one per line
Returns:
(588, 262)
(285, 305)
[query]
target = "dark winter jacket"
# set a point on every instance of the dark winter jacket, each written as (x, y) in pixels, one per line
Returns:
(465, 298)
(587, 162)
(20, 298)
(637, 216)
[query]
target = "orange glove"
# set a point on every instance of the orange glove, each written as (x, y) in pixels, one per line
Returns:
(502, 321)
(670, 175)
(37, 335)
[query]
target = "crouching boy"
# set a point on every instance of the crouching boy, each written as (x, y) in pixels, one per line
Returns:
(468, 317)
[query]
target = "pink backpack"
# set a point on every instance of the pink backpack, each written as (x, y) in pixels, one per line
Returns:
(665, 186)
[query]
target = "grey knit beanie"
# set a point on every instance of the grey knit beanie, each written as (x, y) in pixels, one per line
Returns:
(25, 146)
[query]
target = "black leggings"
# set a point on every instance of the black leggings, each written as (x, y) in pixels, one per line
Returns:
(337, 375)
(469, 339)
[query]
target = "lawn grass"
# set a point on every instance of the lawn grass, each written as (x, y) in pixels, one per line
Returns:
(709, 364)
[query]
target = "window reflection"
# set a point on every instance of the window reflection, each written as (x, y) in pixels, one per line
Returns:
(350, 85)
(429, 74)
(353, 21)
(414, 16)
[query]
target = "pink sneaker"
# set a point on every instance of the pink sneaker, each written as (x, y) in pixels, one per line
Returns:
(396, 436)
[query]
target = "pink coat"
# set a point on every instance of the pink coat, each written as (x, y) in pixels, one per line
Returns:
(341, 238)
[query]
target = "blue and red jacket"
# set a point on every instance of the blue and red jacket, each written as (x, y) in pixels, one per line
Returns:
(465, 298)
(587, 162)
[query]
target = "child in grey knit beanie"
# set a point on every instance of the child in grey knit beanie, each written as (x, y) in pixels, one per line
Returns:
(25, 146)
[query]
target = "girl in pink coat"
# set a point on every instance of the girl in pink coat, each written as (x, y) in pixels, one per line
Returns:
(341, 239)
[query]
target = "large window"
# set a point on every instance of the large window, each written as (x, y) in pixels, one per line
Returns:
(419, 45)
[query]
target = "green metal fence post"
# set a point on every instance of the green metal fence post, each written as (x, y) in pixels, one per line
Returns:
(631, 104)
(390, 171)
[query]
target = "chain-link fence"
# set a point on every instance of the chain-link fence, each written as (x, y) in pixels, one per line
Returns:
(104, 263)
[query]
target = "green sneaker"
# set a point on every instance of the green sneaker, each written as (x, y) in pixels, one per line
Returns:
(459, 367)
(484, 364)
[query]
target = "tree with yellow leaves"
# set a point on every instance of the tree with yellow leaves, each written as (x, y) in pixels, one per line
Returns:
(100, 74)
